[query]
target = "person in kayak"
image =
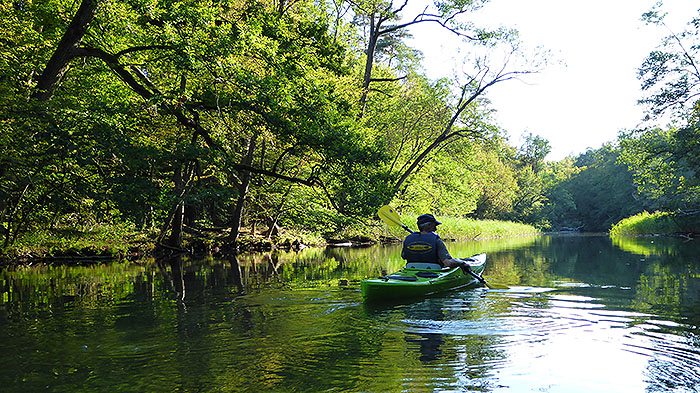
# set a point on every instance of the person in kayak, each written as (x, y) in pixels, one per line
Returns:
(426, 246)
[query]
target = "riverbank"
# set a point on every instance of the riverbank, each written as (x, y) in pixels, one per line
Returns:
(684, 224)
(90, 245)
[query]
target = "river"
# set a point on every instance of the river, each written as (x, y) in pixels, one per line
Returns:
(583, 314)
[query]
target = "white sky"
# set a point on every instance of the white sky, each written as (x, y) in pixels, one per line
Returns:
(587, 100)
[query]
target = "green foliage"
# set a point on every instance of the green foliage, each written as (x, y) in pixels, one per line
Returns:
(645, 223)
(214, 106)
(603, 190)
(196, 82)
(109, 241)
(534, 151)
(445, 184)
(669, 74)
(665, 165)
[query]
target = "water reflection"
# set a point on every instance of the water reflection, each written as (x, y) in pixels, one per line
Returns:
(427, 341)
(583, 314)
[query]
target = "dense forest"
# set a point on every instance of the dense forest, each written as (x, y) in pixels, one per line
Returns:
(261, 117)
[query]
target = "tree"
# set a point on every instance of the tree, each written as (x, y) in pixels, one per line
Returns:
(456, 113)
(665, 165)
(384, 20)
(462, 123)
(665, 162)
(603, 190)
(534, 151)
(670, 75)
(214, 95)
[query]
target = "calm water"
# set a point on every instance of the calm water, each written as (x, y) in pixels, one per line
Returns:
(584, 314)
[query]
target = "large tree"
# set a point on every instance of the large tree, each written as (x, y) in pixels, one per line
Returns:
(191, 99)
(420, 120)
(665, 162)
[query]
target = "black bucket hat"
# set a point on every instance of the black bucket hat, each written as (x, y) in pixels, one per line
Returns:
(426, 218)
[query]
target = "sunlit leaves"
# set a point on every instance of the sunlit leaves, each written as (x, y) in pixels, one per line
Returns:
(670, 75)
(665, 165)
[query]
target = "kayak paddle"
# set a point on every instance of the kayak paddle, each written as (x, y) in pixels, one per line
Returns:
(392, 219)
(489, 286)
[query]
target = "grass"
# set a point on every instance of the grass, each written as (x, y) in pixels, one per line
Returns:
(646, 223)
(102, 240)
(464, 228)
(459, 228)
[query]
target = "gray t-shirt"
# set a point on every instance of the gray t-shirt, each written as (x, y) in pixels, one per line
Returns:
(442, 250)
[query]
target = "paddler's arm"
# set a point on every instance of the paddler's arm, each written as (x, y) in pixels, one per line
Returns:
(447, 259)
(457, 263)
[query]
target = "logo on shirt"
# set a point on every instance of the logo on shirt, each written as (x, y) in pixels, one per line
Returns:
(419, 247)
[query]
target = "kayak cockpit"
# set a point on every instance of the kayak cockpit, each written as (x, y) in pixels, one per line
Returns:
(424, 266)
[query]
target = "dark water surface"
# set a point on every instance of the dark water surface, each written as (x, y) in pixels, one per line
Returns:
(584, 314)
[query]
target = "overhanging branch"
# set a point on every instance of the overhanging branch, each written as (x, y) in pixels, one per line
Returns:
(312, 181)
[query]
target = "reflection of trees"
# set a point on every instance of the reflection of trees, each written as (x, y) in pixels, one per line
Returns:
(171, 268)
(589, 259)
(662, 273)
(31, 290)
(101, 327)
(670, 289)
(657, 246)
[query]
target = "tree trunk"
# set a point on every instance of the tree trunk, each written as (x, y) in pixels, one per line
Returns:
(10, 233)
(66, 50)
(175, 217)
(175, 239)
(369, 62)
(235, 275)
(237, 215)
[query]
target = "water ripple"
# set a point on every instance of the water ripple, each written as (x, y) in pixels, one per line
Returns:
(550, 329)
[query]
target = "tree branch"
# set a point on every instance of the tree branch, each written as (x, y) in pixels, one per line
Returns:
(311, 181)
(65, 51)
(388, 79)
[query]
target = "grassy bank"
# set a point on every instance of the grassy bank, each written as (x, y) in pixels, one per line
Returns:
(462, 228)
(664, 223)
(106, 241)
(126, 242)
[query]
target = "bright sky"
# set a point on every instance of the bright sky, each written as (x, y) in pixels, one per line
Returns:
(585, 101)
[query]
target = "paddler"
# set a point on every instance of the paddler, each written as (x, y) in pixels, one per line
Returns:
(426, 246)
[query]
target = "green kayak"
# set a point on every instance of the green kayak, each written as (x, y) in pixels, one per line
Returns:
(421, 279)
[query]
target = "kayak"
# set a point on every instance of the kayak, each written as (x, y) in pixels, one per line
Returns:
(421, 279)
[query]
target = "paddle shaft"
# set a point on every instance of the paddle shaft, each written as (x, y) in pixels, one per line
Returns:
(481, 280)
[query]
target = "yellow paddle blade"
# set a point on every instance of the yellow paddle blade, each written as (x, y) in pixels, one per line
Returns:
(491, 285)
(496, 286)
(389, 216)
